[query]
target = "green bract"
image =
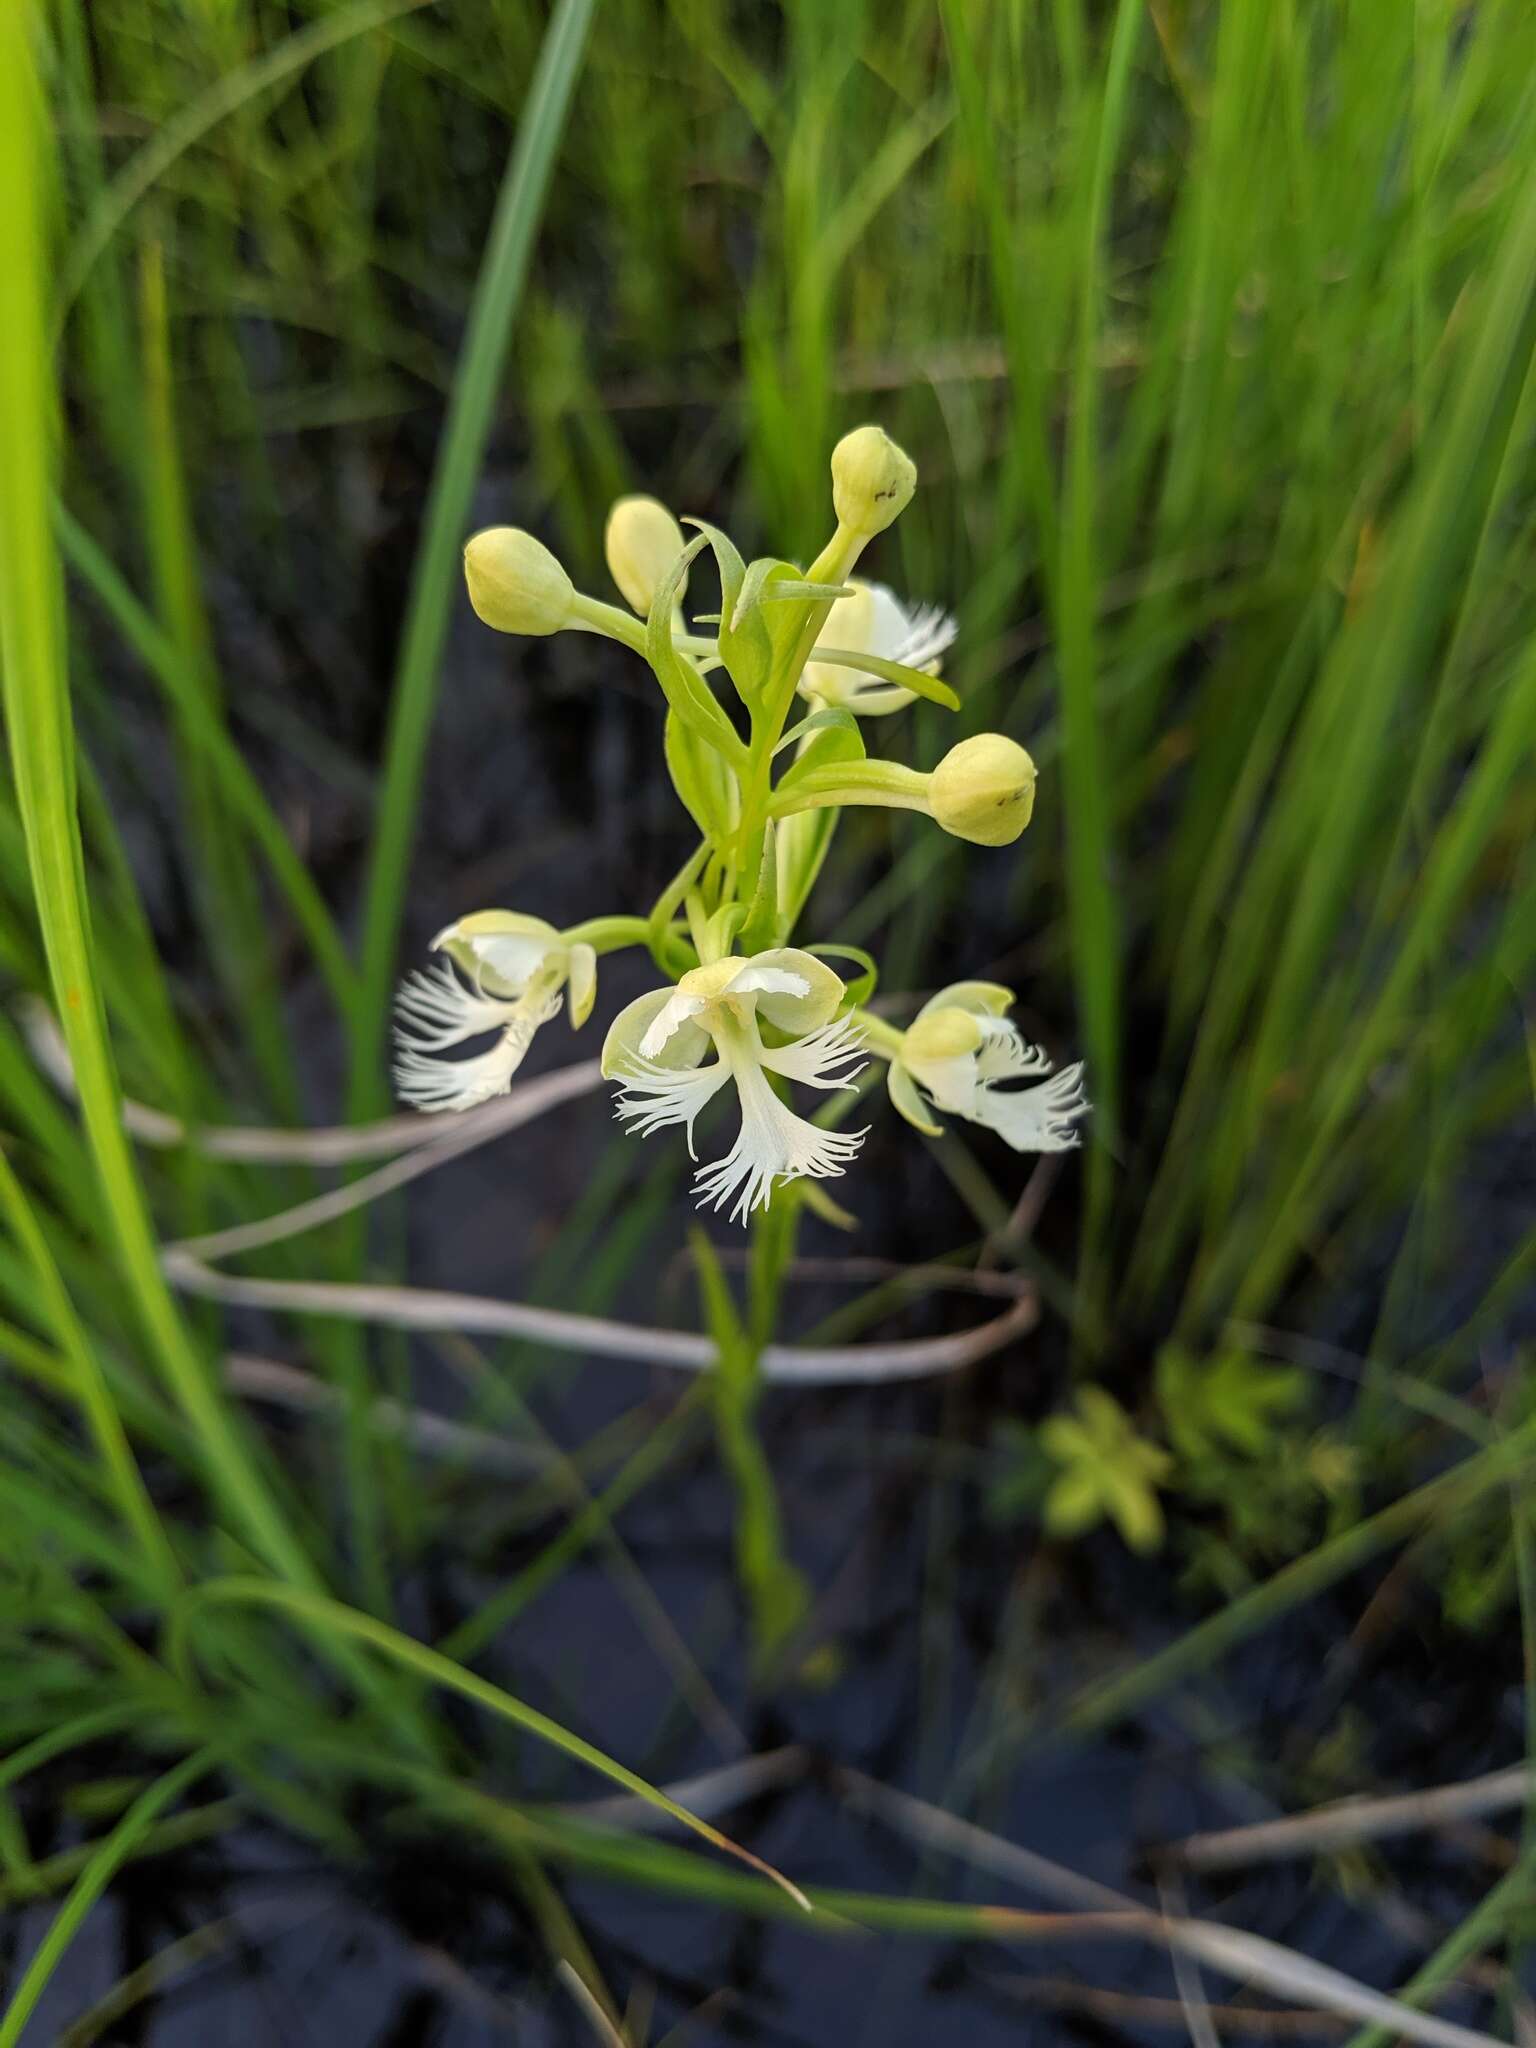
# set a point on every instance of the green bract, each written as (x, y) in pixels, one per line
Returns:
(764, 736)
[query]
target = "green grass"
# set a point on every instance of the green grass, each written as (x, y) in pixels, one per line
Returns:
(1211, 331)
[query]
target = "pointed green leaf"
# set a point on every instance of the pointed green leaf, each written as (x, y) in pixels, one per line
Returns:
(685, 689)
(917, 680)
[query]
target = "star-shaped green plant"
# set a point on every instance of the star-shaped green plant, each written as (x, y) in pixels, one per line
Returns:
(1107, 1470)
(1230, 1403)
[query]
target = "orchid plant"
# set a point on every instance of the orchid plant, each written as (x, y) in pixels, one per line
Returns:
(807, 655)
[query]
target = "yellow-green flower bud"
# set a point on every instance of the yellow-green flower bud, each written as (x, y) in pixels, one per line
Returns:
(872, 481)
(642, 543)
(515, 583)
(984, 790)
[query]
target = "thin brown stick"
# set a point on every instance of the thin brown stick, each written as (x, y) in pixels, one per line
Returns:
(935, 1278)
(1196, 2007)
(1029, 1208)
(478, 1127)
(326, 1145)
(287, 1386)
(1244, 1958)
(1256, 2022)
(1343, 1822)
(422, 1308)
(708, 1794)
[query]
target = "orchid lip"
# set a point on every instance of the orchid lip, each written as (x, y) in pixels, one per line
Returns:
(773, 1144)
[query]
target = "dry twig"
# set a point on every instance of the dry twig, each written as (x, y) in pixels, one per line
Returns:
(1244, 1958)
(423, 1308)
(1343, 1822)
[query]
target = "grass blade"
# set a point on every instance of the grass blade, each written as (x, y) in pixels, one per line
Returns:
(476, 388)
(32, 651)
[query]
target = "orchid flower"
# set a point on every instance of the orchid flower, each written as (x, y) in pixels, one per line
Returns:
(513, 971)
(762, 1020)
(962, 1055)
(871, 620)
(656, 1051)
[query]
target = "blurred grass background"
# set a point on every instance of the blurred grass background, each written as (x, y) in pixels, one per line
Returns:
(1211, 332)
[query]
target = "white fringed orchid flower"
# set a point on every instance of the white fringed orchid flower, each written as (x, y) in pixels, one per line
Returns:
(657, 1047)
(782, 640)
(514, 970)
(962, 1055)
(872, 620)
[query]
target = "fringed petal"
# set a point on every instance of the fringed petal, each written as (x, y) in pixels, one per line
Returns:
(430, 1083)
(1042, 1119)
(772, 1145)
(832, 1057)
(651, 1097)
(951, 1084)
(436, 1010)
(929, 632)
(1005, 1053)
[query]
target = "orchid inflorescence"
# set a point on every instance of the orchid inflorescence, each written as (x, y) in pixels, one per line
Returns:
(808, 653)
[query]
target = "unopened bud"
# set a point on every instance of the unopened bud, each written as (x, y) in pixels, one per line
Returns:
(642, 543)
(872, 481)
(515, 583)
(984, 790)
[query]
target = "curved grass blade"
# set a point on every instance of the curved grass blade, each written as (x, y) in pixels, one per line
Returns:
(88, 1887)
(331, 1616)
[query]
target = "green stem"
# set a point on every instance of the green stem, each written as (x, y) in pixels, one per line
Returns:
(593, 616)
(609, 934)
(698, 925)
(757, 803)
(884, 783)
(880, 1038)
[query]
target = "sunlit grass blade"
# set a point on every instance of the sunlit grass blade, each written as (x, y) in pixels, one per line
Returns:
(42, 752)
(237, 785)
(476, 390)
(1086, 757)
(330, 1616)
(91, 1389)
(231, 92)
